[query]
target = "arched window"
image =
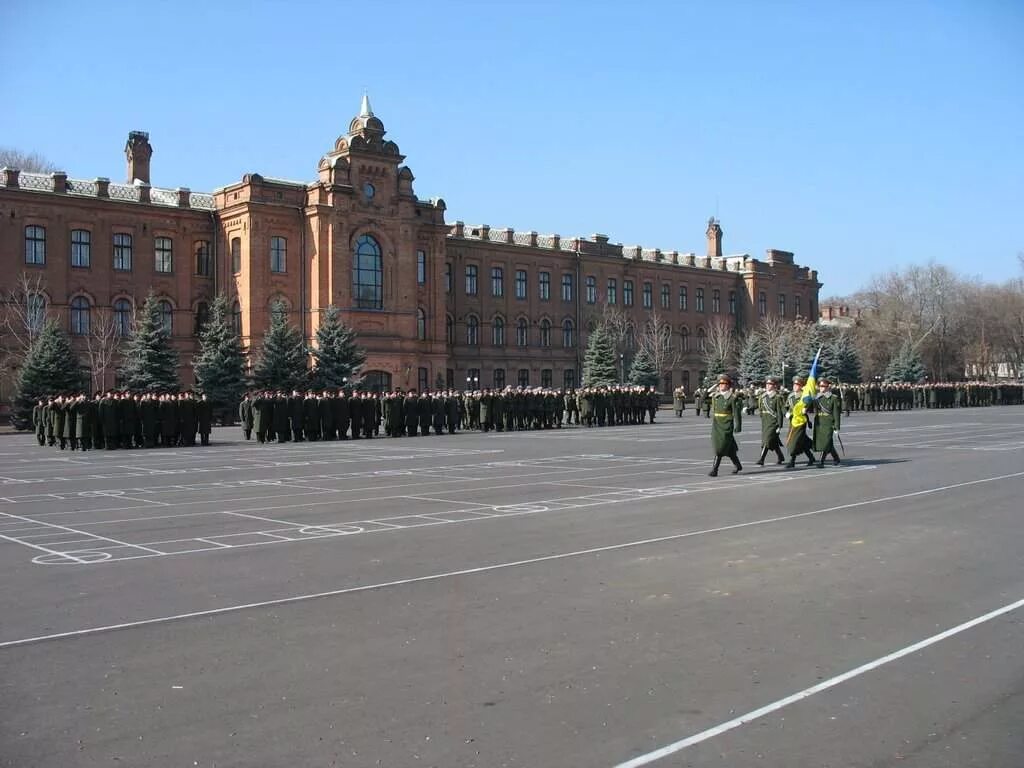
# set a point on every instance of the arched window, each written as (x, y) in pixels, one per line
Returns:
(80, 316)
(567, 333)
(449, 329)
(368, 274)
(472, 331)
(421, 324)
(545, 332)
(202, 317)
(684, 339)
(166, 314)
(236, 318)
(522, 332)
(702, 340)
(35, 311)
(123, 317)
(35, 245)
(498, 332)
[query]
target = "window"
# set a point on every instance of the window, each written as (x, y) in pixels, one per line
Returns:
(569, 378)
(421, 267)
(666, 296)
(499, 378)
(472, 378)
(627, 293)
(163, 250)
(683, 298)
(524, 377)
(796, 305)
(471, 273)
(423, 378)
(522, 332)
(782, 305)
(166, 314)
(449, 329)
(497, 282)
(732, 302)
(700, 299)
(81, 247)
(567, 287)
(204, 262)
(449, 378)
(702, 341)
(35, 311)
(202, 317)
(35, 245)
(545, 377)
(567, 333)
(648, 295)
(236, 255)
(368, 274)
(520, 283)
(472, 331)
(686, 380)
(612, 294)
(545, 286)
(591, 289)
(447, 277)
(716, 301)
(236, 318)
(762, 304)
(545, 332)
(80, 316)
(498, 332)
(279, 254)
(123, 252)
(123, 317)
(684, 339)
(421, 324)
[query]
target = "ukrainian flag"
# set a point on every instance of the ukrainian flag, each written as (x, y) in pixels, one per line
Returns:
(806, 395)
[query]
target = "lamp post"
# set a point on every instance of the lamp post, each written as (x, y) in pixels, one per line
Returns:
(622, 367)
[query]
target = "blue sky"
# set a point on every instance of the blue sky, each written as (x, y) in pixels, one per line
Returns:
(861, 135)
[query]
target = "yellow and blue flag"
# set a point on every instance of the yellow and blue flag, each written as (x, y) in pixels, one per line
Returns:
(806, 395)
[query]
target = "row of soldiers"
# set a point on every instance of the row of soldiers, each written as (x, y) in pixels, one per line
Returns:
(881, 396)
(119, 419)
(340, 414)
(822, 414)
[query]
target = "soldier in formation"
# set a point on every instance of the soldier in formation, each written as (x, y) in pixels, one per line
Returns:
(771, 405)
(116, 419)
(827, 420)
(727, 421)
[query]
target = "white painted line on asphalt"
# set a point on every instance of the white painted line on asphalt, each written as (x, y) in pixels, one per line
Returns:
(480, 569)
(757, 714)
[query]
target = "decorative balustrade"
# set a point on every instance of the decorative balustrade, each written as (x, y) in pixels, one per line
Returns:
(58, 183)
(42, 182)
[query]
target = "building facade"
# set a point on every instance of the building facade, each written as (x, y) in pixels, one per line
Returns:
(432, 302)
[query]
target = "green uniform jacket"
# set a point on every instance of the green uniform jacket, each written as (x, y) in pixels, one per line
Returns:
(796, 439)
(828, 412)
(727, 419)
(772, 408)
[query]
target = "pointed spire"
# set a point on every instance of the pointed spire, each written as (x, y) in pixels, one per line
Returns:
(364, 108)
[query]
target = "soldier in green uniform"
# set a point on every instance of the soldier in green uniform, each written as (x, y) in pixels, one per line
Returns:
(149, 416)
(797, 441)
(726, 423)
(827, 419)
(38, 415)
(772, 408)
(245, 416)
(204, 419)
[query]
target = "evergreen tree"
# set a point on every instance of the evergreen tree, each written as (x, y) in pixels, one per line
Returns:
(814, 339)
(48, 368)
(282, 362)
(336, 356)
(220, 365)
(149, 362)
(905, 365)
(845, 362)
(642, 370)
(753, 362)
(599, 361)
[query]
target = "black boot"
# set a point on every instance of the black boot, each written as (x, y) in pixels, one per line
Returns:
(736, 463)
(835, 457)
(760, 462)
(810, 458)
(821, 461)
(714, 469)
(782, 459)
(792, 462)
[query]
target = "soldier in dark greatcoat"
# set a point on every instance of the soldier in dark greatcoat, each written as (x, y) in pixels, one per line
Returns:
(245, 416)
(726, 422)
(772, 408)
(204, 419)
(827, 420)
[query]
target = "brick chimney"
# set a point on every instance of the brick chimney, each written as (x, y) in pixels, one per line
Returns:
(714, 234)
(138, 151)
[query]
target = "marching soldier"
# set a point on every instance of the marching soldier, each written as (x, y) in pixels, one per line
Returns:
(827, 418)
(679, 401)
(797, 442)
(727, 422)
(772, 409)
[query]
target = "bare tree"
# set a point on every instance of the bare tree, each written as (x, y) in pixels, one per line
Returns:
(655, 338)
(22, 315)
(32, 162)
(719, 346)
(618, 325)
(102, 345)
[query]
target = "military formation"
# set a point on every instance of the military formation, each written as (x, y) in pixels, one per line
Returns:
(111, 420)
(276, 416)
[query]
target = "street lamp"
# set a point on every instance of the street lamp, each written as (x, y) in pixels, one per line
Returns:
(622, 367)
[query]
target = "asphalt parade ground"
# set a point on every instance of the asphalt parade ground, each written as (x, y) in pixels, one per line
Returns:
(570, 597)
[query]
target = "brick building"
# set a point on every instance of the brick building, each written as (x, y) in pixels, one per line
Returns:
(430, 301)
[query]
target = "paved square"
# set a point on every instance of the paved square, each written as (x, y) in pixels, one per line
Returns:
(564, 598)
